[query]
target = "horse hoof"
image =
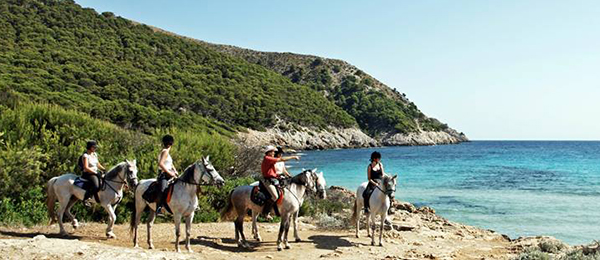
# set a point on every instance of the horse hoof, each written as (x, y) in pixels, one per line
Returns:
(357, 236)
(287, 247)
(111, 235)
(63, 234)
(258, 239)
(279, 248)
(298, 240)
(380, 244)
(151, 247)
(372, 243)
(136, 246)
(190, 251)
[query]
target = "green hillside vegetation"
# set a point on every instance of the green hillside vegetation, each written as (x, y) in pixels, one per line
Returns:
(376, 107)
(115, 70)
(40, 141)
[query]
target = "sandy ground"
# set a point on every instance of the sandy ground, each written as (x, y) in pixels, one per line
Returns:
(215, 241)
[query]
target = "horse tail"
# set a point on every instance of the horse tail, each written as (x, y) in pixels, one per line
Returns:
(227, 212)
(354, 212)
(134, 212)
(51, 200)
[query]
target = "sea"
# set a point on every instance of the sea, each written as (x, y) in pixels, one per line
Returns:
(518, 188)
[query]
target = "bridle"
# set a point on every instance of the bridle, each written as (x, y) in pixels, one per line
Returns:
(204, 172)
(125, 181)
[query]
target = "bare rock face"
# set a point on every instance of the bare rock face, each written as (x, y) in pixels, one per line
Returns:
(309, 139)
(448, 136)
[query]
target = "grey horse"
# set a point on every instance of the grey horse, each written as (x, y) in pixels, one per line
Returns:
(62, 188)
(239, 202)
(379, 205)
(183, 203)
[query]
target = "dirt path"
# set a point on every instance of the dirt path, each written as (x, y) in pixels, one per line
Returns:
(215, 241)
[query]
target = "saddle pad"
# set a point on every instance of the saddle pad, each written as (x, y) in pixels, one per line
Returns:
(151, 194)
(79, 182)
(170, 192)
(260, 195)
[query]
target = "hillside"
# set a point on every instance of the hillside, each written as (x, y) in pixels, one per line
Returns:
(116, 70)
(381, 111)
(141, 78)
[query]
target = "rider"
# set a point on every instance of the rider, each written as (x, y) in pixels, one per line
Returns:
(375, 175)
(270, 178)
(91, 167)
(280, 168)
(166, 170)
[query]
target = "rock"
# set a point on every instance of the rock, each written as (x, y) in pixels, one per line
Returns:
(449, 136)
(79, 252)
(305, 138)
(39, 237)
(400, 227)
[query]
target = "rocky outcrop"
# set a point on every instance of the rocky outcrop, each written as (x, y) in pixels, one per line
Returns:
(332, 138)
(309, 139)
(450, 136)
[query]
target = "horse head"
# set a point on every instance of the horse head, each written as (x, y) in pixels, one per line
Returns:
(389, 185)
(321, 184)
(209, 173)
(131, 171)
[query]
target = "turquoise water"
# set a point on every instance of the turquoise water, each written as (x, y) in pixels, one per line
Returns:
(519, 188)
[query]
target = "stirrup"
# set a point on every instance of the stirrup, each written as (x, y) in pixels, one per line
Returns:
(87, 203)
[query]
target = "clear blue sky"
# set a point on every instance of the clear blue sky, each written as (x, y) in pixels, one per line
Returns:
(492, 69)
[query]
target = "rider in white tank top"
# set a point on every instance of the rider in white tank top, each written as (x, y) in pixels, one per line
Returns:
(168, 163)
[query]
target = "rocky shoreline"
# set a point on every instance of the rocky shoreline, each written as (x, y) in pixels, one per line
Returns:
(303, 138)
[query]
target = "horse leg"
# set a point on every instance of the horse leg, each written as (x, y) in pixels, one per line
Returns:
(188, 231)
(239, 226)
(368, 215)
(61, 211)
(255, 226)
(111, 220)
(151, 218)
(177, 219)
(296, 227)
(284, 219)
(358, 210)
(139, 208)
(383, 215)
(70, 215)
(372, 228)
(285, 235)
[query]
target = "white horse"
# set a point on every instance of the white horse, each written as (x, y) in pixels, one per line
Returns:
(184, 200)
(379, 205)
(110, 194)
(239, 202)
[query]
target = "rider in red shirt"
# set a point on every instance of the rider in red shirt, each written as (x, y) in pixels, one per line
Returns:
(270, 178)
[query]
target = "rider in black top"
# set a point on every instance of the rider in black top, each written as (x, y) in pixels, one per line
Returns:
(375, 175)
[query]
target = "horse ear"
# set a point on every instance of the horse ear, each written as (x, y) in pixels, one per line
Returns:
(134, 161)
(127, 161)
(314, 170)
(395, 176)
(207, 157)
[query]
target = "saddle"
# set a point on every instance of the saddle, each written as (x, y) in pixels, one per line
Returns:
(151, 194)
(260, 195)
(87, 185)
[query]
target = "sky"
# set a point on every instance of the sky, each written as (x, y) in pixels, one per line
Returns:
(495, 70)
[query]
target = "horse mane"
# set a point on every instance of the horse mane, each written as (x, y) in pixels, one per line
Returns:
(114, 171)
(188, 174)
(297, 179)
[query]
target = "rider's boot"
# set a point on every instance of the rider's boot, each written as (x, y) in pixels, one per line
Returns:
(267, 209)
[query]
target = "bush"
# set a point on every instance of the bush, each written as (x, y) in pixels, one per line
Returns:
(533, 253)
(38, 142)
